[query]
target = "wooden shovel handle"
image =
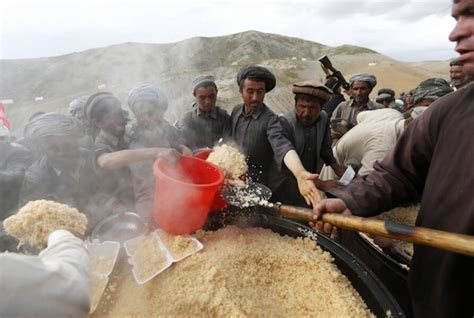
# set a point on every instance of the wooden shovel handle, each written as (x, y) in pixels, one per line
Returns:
(453, 242)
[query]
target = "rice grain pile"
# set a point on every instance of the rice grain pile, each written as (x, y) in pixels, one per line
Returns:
(100, 265)
(98, 284)
(37, 219)
(231, 161)
(402, 215)
(242, 272)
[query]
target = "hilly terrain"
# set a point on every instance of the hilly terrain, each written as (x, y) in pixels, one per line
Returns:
(49, 84)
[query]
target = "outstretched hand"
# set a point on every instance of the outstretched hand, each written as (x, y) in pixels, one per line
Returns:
(307, 187)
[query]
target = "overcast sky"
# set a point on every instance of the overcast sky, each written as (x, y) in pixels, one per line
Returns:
(408, 30)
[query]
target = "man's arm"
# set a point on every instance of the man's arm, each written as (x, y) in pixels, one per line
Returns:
(123, 158)
(399, 177)
(54, 284)
(285, 153)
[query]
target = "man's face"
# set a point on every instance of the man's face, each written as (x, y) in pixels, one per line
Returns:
(455, 73)
(308, 111)
(463, 33)
(206, 98)
(113, 122)
(253, 94)
(61, 152)
(148, 114)
(360, 91)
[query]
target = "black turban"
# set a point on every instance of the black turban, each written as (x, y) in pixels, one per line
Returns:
(258, 74)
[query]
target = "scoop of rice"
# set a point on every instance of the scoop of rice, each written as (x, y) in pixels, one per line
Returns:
(37, 219)
(231, 161)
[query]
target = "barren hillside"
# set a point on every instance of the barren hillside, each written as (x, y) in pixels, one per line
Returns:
(60, 79)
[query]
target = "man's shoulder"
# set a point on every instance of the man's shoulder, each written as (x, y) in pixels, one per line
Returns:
(455, 104)
(344, 104)
(267, 111)
(236, 110)
(371, 105)
(18, 149)
(221, 112)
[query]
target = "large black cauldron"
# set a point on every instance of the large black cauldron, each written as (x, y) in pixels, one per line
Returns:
(372, 290)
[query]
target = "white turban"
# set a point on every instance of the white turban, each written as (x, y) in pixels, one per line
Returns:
(364, 77)
(53, 124)
(149, 93)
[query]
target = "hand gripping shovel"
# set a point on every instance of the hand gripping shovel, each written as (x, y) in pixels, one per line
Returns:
(453, 242)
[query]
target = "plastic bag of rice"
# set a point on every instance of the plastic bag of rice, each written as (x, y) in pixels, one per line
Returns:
(37, 219)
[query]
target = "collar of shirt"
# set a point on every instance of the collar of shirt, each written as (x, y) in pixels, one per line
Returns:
(369, 105)
(212, 114)
(310, 126)
(74, 173)
(255, 114)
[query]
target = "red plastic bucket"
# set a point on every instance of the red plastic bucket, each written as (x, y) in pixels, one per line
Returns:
(219, 203)
(184, 192)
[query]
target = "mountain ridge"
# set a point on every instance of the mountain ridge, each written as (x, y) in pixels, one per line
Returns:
(173, 66)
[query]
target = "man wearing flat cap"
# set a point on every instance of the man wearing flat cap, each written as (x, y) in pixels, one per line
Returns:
(306, 127)
(206, 123)
(250, 122)
(345, 114)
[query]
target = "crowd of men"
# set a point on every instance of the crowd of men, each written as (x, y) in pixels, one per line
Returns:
(88, 160)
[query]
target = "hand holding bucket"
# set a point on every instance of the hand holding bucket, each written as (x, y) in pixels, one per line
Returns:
(184, 193)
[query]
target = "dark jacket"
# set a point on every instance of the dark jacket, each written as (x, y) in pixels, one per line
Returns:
(201, 130)
(255, 142)
(432, 160)
(116, 185)
(76, 187)
(313, 146)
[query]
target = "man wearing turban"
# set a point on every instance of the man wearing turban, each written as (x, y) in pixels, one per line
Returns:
(149, 104)
(65, 173)
(206, 123)
(426, 93)
(251, 123)
(345, 114)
